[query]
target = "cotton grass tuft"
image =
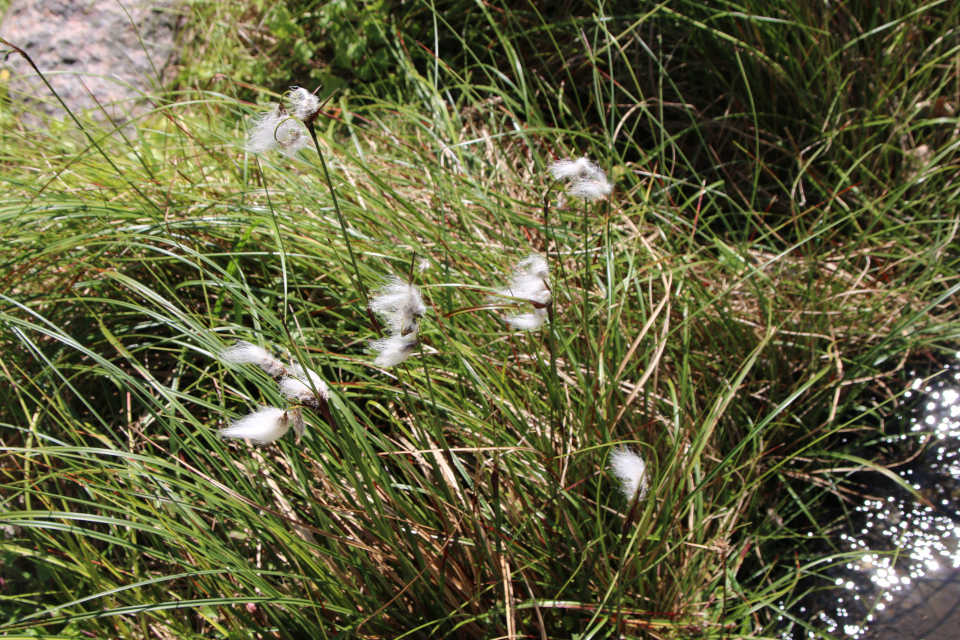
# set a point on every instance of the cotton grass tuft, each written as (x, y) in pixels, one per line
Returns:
(529, 281)
(585, 179)
(263, 426)
(246, 353)
(277, 130)
(528, 321)
(305, 105)
(579, 168)
(630, 470)
(590, 189)
(304, 385)
(400, 306)
(393, 350)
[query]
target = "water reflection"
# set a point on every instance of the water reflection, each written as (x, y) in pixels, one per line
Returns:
(902, 581)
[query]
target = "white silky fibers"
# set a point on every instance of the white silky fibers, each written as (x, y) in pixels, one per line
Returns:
(263, 426)
(630, 470)
(246, 353)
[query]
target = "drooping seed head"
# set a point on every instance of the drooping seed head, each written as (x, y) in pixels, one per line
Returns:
(590, 189)
(246, 353)
(263, 426)
(528, 321)
(304, 385)
(529, 281)
(276, 130)
(399, 305)
(393, 350)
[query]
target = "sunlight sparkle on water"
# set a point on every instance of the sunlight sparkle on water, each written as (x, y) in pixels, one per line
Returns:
(899, 540)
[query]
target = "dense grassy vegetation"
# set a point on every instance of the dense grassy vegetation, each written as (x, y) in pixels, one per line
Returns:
(781, 241)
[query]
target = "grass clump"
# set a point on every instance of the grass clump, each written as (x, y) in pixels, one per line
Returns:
(464, 492)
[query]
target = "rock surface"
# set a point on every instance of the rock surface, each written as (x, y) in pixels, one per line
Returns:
(119, 55)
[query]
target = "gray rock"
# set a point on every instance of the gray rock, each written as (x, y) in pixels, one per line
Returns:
(120, 56)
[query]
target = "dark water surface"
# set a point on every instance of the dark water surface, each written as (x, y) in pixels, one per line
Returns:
(901, 580)
(930, 610)
(928, 606)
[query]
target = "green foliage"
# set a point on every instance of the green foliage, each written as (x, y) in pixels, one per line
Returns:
(724, 314)
(784, 107)
(335, 44)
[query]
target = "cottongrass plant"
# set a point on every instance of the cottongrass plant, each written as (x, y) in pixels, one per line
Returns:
(305, 105)
(102, 409)
(400, 306)
(284, 129)
(263, 426)
(530, 282)
(590, 189)
(631, 471)
(296, 383)
(245, 353)
(585, 179)
(277, 130)
(304, 385)
(579, 168)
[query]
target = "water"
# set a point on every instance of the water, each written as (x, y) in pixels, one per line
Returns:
(900, 577)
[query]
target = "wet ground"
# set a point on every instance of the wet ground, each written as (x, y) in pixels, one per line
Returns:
(899, 575)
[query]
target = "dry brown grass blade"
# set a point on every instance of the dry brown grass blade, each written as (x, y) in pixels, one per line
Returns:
(651, 367)
(508, 598)
(642, 334)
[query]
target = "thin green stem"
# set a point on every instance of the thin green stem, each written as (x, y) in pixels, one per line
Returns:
(336, 207)
(556, 415)
(586, 277)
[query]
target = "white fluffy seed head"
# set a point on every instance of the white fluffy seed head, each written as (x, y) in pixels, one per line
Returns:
(528, 321)
(246, 353)
(263, 426)
(630, 470)
(535, 265)
(393, 350)
(277, 130)
(304, 104)
(399, 305)
(579, 168)
(529, 281)
(261, 131)
(590, 189)
(300, 385)
(291, 137)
